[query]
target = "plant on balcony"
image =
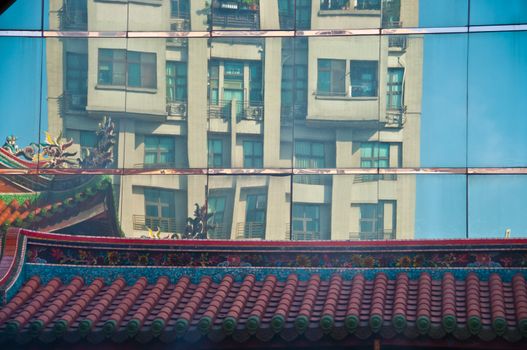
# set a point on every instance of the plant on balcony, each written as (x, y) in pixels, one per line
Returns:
(249, 4)
(198, 226)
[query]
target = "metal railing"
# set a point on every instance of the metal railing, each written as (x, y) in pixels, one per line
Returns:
(360, 178)
(397, 41)
(75, 102)
(379, 235)
(395, 117)
(312, 179)
(170, 225)
(289, 113)
(247, 111)
(306, 236)
(177, 108)
(250, 230)
(220, 231)
(246, 19)
(74, 16)
(342, 5)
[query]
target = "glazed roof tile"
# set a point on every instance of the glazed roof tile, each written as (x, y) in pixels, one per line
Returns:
(56, 301)
(178, 309)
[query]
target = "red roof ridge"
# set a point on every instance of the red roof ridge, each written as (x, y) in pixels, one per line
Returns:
(166, 312)
(238, 305)
(308, 302)
(216, 303)
(192, 306)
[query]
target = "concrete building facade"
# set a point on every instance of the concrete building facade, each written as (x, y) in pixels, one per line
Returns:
(199, 117)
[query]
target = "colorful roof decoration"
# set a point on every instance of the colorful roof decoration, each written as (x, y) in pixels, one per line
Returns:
(61, 288)
(90, 207)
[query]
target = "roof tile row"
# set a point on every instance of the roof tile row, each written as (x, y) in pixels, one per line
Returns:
(337, 307)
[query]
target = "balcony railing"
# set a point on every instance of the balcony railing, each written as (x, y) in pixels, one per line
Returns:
(312, 179)
(74, 15)
(397, 41)
(235, 14)
(220, 231)
(396, 117)
(360, 178)
(342, 5)
(306, 236)
(75, 101)
(380, 235)
(250, 230)
(290, 113)
(177, 108)
(170, 225)
(223, 109)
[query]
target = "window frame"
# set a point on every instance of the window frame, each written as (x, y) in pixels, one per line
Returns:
(158, 152)
(358, 66)
(129, 62)
(334, 79)
(255, 160)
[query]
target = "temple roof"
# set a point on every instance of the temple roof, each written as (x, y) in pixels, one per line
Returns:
(60, 288)
(89, 206)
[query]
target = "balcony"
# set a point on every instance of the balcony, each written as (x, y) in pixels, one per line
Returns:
(224, 109)
(312, 179)
(306, 236)
(74, 15)
(220, 231)
(395, 117)
(170, 225)
(75, 101)
(177, 109)
(235, 14)
(250, 230)
(290, 113)
(380, 235)
(397, 42)
(332, 7)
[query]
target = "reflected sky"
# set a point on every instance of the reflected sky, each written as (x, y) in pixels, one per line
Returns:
(496, 116)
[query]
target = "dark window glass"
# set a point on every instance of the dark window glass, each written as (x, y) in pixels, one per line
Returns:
(252, 154)
(216, 153)
(394, 90)
(76, 80)
(363, 78)
(331, 77)
(137, 69)
(176, 81)
(159, 150)
(306, 221)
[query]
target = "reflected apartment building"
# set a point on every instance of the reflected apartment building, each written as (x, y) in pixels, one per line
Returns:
(303, 103)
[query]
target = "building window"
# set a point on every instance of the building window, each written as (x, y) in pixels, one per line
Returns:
(372, 220)
(76, 80)
(331, 77)
(176, 81)
(254, 226)
(216, 158)
(252, 154)
(374, 155)
(180, 9)
(232, 86)
(159, 209)
(216, 206)
(363, 78)
(159, 150)
(306, 221)
(127, 68)
(310, 154)
(294, 79)
(88, 140)
(394, 91)
(255, 84)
